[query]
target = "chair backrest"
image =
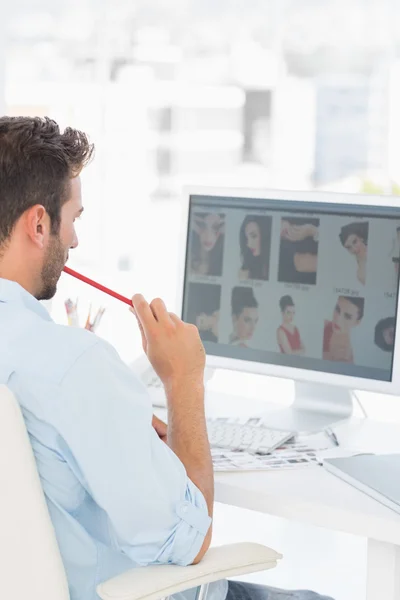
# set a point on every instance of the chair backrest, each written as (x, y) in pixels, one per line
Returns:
(30, 563)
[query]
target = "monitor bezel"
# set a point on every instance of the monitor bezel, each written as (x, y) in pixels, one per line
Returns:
(272, 370)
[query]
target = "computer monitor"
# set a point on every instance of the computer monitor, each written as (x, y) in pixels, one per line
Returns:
(299, 285)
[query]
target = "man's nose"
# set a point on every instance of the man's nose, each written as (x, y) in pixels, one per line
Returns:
(75, 242)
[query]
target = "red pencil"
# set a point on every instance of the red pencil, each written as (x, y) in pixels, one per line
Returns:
(97, 285)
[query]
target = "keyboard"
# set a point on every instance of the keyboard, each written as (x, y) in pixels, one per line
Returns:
(231, 434)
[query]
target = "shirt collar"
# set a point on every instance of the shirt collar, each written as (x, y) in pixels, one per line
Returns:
(12, 292)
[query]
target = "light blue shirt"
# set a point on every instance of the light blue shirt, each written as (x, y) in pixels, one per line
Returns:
(117, 495)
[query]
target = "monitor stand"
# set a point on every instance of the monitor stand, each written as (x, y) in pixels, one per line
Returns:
(315, 407)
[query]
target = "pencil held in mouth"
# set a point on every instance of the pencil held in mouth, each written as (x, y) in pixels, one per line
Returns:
(98, 286)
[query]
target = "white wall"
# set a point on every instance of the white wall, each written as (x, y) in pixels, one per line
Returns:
(293, 122)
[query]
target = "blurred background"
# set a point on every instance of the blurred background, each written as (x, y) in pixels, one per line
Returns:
(289, 94)
(251, 93)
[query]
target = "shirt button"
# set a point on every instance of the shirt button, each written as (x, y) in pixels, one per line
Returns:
(185, 508)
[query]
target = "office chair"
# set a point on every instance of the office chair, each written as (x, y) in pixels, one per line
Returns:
(30, 562)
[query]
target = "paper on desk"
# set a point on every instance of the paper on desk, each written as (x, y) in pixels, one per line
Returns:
(303, 452)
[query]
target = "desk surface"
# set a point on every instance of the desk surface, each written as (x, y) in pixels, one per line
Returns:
(311, 495)
(314, 496)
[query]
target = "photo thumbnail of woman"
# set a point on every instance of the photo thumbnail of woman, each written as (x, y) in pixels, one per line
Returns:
(244, 308)
(385, 333)
(255, 247)
(203, 306)
(354, 238)
(288, 335)
(207, 243)
(347, 315)
(298, 253)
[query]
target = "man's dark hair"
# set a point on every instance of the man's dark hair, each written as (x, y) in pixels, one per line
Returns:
(285, 301)
(359, 303)
(37, 161)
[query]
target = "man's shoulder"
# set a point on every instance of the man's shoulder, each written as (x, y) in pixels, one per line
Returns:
(72, 341)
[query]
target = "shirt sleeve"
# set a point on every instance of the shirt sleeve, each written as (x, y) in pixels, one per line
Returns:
(103, 414)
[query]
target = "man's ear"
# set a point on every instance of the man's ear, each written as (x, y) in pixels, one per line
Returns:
(37, 225)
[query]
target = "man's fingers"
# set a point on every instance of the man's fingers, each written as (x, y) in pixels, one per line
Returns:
(159, 426)
(174, 318)
(159, 310)
(144, 314)
(144, 339)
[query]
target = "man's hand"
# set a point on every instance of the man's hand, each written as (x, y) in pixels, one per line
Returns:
(161, 428)
(175, 350)
(173, 347)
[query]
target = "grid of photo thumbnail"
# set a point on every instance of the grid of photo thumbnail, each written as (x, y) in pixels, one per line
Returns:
(322, 286)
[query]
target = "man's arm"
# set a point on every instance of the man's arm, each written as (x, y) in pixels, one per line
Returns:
(175, 350)
(107, 435)
(187, 437)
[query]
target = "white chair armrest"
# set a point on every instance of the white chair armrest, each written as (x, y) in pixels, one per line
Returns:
(155, 582)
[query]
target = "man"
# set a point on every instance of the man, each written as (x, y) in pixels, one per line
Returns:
(121, 489)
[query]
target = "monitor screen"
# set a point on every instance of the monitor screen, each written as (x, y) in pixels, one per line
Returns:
(298, 284)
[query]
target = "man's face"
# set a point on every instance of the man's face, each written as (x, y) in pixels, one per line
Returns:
(57, 250)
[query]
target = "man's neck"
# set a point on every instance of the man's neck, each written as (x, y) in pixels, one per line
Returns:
(13, 270)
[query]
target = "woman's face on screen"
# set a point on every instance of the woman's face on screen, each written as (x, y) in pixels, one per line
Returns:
(355, 245)
(253, 238)
(345, 316)
(289, 314)
(388, 336)
(209, 228)
(246, 323)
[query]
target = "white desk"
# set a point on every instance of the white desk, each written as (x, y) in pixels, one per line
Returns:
(314, 496)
